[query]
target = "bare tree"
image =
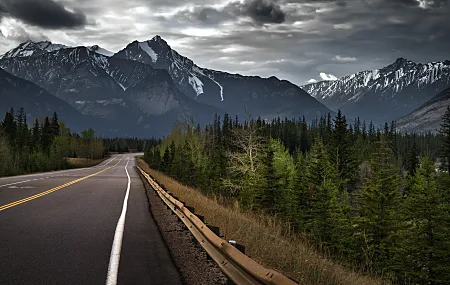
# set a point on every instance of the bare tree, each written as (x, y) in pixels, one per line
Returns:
(245, 166)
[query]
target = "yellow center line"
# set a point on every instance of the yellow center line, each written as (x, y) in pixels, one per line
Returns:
(13, 204)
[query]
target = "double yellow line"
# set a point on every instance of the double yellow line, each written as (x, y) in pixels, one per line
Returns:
(16, 203)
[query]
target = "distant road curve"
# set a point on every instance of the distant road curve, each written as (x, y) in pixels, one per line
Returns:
(81, 226)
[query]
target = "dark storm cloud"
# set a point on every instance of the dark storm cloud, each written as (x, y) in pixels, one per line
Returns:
(46, 14)
(291, 39)
(259, 11)
(263, 11)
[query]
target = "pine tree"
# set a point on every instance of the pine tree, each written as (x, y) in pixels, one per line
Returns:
(9, 125)
(341, 151)
(47, 136)
(36, 136)
(166, 161)
(423, 253)
(322, 181)
(55, 125)
(379, 202)
(22, 131)
(270, 187)
(412, 160)
(445, 134)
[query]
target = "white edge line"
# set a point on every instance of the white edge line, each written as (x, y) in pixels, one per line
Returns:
(113, 268)
(109, 161)
(40, 174)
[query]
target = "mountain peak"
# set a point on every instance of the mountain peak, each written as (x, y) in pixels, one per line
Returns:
(31, 48)
(158, 38)
(100, 50)
(160, 41)
(402, 60)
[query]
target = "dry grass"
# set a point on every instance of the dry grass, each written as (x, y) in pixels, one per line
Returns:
(266, 239)
(84, 162)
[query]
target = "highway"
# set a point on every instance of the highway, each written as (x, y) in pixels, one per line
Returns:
(83, 226)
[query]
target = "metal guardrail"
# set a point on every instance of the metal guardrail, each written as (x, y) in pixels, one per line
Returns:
(238, 267)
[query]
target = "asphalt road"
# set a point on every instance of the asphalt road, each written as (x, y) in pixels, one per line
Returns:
(84, 226)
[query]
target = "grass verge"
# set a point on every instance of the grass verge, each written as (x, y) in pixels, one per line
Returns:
(84, 162)
(266, 240)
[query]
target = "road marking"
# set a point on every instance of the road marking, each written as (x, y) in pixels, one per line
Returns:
(17, 183)
(46, 173)
(111, 161)
(16, 203)
(58, 172)
(113, 268)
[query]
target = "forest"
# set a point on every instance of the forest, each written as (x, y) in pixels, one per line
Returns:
(48, 144)
(371, 197)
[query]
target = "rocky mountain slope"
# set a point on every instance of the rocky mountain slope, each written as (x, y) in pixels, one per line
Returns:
(384, 94)
(113, 89)
(19, 93)
(148, 86)
(234, 93)
(426, 118)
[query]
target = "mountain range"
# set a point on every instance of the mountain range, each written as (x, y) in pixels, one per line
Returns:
(385, 94)
(426, 118)
(147, 86)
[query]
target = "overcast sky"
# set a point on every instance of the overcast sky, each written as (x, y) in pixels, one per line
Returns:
(297, 40)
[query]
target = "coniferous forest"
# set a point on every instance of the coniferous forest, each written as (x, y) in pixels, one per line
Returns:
(369, 196)
(48, 143)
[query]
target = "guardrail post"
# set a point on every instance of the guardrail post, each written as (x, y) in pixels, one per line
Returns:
(239, 247)
(215, 230)
(201, 218)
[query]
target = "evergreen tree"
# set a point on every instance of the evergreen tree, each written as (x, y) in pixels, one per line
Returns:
(379, 202)
(9, 125)
(341, 150)
(322, 183)
(271, 185)
(36, 136)
(46, 136)
(55, 125)
(412, 160)
(445, 134)
(423, 253)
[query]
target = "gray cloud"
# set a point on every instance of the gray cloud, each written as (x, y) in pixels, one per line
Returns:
(263, 11)
(46, 14)
(290, 39)
(259, 11)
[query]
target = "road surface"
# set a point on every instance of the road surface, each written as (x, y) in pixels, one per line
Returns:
(84, 226)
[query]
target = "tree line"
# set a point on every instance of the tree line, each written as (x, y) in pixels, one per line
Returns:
(44, 146)
(373, 197)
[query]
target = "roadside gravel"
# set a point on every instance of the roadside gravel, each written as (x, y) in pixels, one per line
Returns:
(189, 257)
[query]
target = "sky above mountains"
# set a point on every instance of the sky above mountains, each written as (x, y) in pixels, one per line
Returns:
(298, 40)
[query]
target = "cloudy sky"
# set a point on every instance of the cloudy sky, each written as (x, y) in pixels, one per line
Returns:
(297, 40)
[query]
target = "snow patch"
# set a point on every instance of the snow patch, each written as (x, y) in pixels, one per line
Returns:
(101, 51)
(197, 84)
(220, 86)
(145, 47)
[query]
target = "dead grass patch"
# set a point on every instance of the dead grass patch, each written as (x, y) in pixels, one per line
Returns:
(267, 240)
(84, 162)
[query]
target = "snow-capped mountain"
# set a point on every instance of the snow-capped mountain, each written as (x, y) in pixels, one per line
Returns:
(234, 93)
(147, 86)
(112, 89)
(426, 118)
(30, 48)
(384, 94)
(101, 51)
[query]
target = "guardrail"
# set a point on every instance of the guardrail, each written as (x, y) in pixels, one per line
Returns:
(238, 267)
